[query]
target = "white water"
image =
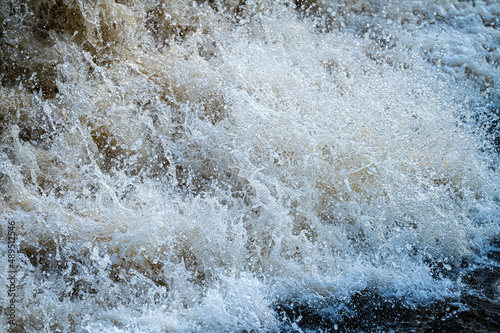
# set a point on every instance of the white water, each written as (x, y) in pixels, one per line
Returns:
(185, 166)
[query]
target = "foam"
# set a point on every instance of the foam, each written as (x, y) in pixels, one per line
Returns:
(189, 166)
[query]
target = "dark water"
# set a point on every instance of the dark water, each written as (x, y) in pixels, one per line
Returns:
(472, 312)
(476, 310)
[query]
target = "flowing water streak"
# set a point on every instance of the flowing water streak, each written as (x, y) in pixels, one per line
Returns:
(183, 166)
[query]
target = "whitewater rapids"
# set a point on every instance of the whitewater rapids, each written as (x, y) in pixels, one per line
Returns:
(181, 166)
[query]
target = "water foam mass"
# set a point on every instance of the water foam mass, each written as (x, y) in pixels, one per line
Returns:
(181, 166)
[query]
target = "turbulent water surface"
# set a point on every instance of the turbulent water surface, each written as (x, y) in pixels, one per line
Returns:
(237, 166)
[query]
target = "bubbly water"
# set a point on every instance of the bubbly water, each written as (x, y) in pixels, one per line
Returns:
(236, 166)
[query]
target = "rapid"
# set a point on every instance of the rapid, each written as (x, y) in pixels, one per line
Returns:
(249, 166)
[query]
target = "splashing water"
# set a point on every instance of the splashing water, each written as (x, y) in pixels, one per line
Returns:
(201, 165)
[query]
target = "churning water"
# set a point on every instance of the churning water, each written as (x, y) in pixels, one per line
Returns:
(236, 166)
